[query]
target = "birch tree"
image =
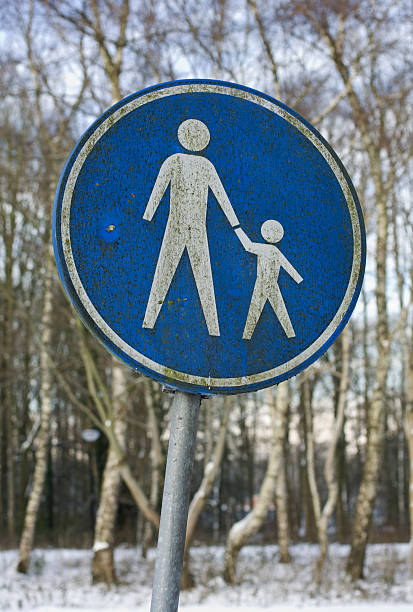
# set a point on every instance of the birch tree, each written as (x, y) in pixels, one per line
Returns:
(402, 250)
(51, 142)
(16, 170)
(92, 22)
(322, 514)
(102, 564)
(157, 460)
(111, 419)
(351, 36)
(212, 464)
(241, 531)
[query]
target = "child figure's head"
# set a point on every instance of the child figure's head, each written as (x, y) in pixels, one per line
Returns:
(272, 231)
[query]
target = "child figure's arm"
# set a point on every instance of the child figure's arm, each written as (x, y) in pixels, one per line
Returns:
(290, 269)
(245, 241)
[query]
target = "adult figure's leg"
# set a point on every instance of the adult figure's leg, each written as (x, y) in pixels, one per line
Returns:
(277, 302)
(199, 257)
(259, 297)
(169, 257)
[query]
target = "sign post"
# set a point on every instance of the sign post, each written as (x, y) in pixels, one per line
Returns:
(175, 502)
(211, 239)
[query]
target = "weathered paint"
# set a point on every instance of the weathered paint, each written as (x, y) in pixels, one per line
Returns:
(272, 166)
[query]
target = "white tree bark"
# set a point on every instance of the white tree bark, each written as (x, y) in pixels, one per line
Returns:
(26, 541)
(157, 462)
(329, 469)
(372, 124)
(55, 141)
(105, 421)
(198, 501)
(210, 473)
(375, 424)
(323, 514)
(310, 453)
(102, 564)
(240, 532)
(375, 420)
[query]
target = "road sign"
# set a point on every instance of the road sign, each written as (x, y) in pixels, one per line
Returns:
(209, 236)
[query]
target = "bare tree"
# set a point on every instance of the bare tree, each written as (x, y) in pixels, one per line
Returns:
(409, 436)
(330, 464)
(333, 27)
(157, 460)
(103, 569)
(51, 143)
(212, 464)
(240, 532)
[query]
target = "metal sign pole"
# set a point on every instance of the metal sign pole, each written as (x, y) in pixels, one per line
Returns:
(175, 502)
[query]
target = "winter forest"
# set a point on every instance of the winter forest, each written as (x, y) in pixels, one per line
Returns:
(301, 492)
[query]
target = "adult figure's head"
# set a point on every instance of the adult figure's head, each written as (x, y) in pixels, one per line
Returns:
(272, 231)
(193, 135)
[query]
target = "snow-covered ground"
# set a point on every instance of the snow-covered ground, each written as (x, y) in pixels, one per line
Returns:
(60, 580)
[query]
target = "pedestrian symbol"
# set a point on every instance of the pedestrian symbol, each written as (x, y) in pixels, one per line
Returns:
(189, 177)
(270, 260)
(209, 236)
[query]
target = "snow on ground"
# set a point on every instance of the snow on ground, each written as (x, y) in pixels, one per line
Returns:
(60, 580)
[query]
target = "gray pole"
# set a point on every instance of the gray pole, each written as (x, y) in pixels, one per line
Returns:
(175, 502)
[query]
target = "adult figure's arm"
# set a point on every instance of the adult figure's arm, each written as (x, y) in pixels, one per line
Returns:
(290, 269)
(218, 190)
(158, 190)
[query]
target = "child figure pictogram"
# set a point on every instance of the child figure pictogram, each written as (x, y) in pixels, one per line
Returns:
(269, 261)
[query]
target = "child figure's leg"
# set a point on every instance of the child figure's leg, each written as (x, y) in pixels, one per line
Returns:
(277, 302)
(257, 304)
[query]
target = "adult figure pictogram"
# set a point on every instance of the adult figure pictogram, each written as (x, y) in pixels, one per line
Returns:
(269, 261)
(190, 177)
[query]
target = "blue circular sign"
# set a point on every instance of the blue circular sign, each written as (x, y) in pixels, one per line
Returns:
(209, 236)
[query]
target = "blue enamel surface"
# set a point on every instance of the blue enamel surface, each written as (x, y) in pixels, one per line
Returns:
(270, 171)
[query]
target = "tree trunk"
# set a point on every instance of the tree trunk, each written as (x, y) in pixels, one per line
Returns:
(157, 463)
(11, 476)
(103, 569)
(310, 454)
(372, 126)
(329, 471)
(375, 418)
(306, 389)
(281, 494)
(109, 412)
(241, 531)
(368, 488)
(198, 501)
(342, 505)
(409, 436)
(26, 542)
(102, 564)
